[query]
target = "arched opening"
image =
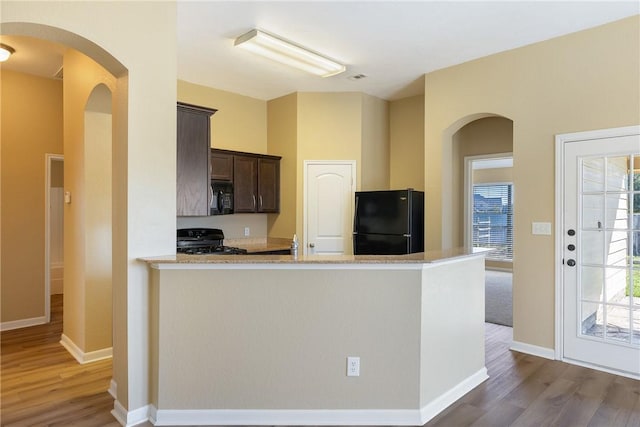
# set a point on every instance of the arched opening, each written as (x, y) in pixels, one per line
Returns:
(478, 204)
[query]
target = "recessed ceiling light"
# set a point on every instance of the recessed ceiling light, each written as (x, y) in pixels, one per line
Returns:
(289, 53)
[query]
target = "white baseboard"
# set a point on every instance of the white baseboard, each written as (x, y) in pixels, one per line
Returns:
(81, 356)
(113, 389)
(547, 353)
(167, 417)
(395, 417)
(22, 323)
(130, 418)
(119, 413)
(440, 403)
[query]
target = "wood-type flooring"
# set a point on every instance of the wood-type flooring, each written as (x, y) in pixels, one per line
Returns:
(42, 385)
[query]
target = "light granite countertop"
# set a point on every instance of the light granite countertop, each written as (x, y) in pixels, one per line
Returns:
(417, 258)
(260, 244)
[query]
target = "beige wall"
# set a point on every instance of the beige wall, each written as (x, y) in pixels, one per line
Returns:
(587, 80)
(329, 128)
(491, 135)
(97, 282)
(26, 101)
(240, 124)
(282, 129)
(374, 162)
(325, 126)
(144, 151)
(406, 134)
(87, 176)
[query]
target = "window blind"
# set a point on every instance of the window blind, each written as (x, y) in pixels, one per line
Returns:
(493, 220)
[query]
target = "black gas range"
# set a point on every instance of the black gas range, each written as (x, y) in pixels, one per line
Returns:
(204, 241)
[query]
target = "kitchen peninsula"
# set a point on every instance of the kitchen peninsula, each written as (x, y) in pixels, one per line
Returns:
(265, 339)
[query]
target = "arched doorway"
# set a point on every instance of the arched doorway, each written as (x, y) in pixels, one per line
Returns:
(486, 141)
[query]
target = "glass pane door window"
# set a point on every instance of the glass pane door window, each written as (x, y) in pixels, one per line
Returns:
(493, 220)
(609, 273)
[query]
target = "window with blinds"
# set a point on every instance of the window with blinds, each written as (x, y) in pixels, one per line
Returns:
(493, 220)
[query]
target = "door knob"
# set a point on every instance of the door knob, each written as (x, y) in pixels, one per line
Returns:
(571, 247)
(312, 245)
(571, 263)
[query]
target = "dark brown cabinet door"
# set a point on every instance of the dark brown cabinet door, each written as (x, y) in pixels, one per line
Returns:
(193, 147)
(221, 166)
(268, 185)
(245, 180)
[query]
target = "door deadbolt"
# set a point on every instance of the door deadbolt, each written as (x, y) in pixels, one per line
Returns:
(571, 263)
(571, 232)
(571, 247)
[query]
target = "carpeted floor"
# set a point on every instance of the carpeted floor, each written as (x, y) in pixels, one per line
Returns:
(498, 304)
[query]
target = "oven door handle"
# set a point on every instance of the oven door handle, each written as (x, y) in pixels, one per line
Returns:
(220, 201)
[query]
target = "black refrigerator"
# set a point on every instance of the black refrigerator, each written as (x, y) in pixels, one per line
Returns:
(388, 222)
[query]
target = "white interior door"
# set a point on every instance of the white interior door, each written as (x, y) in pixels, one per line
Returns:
(329, 198)
(601, 237)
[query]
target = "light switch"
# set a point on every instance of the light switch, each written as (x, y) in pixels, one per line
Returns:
(67, 197)
(541, 228)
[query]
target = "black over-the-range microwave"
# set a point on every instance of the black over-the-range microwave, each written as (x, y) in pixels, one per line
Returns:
(221, 197)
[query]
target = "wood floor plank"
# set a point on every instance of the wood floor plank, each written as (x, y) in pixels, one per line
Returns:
(536, 383)
(618, 405)
(634, 418)
(463, 416)
(42, 384)
(544, 409)
(503, 414)
(592, 388)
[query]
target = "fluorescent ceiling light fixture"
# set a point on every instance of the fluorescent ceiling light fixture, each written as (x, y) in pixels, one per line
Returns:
(5, 52)
(288, 53)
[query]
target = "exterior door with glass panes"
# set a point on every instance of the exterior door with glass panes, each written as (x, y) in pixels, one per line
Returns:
(601, 271)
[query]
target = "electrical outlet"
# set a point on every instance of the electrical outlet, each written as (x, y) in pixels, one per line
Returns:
(353, 366)
(247, 231)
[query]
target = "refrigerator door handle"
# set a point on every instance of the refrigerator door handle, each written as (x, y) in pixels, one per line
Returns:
(355, 218)
(406, 235)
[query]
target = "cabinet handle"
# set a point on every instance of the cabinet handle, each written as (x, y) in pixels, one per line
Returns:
(260, 201)
(254, 201)
(211, 196)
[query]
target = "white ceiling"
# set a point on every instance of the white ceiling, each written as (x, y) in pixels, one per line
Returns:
(393, 43)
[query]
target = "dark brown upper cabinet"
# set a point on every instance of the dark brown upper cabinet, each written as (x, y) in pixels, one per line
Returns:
(221, 166)
(268, 185)
(245, 184)
(193, 190)
(256, 180)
